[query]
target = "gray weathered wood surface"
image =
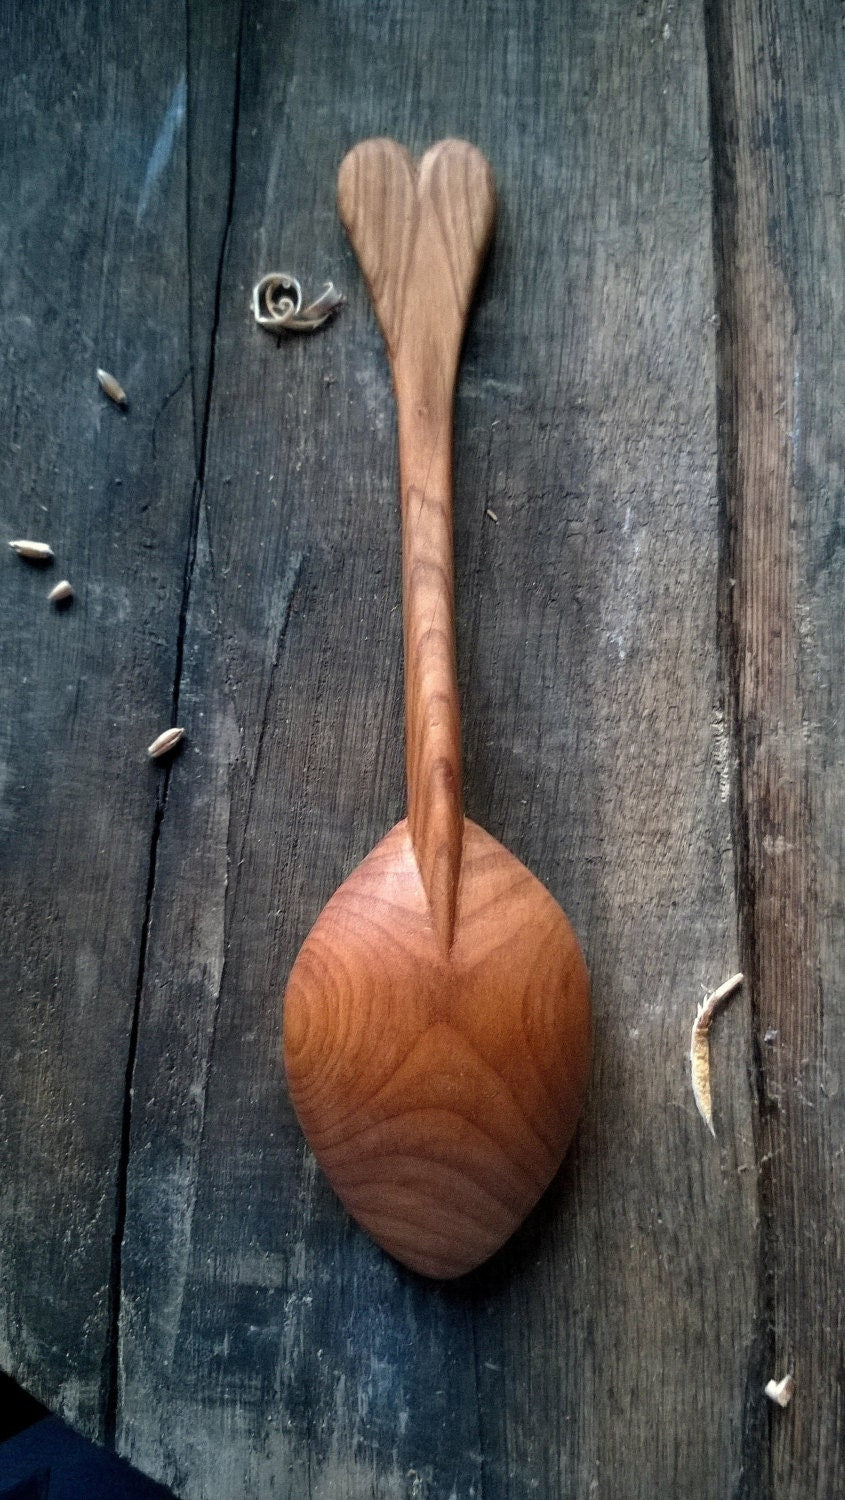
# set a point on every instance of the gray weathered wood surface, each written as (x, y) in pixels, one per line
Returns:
(650, 642)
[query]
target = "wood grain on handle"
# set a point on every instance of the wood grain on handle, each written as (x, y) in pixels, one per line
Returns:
(437, 1024)
(420, 234)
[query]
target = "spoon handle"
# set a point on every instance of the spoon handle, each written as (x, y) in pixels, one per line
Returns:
(421, 234)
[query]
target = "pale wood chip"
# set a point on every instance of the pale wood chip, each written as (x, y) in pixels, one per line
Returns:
(113, 389)
(781, 1391)
(33, 551)
(165, 742)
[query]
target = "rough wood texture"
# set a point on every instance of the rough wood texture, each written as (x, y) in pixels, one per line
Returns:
(619, 1344)
(779, 124)
(242, 1274)
(93, 188)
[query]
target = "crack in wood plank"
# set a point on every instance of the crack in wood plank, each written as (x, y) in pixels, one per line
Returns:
(111, 1360)
(777, 837)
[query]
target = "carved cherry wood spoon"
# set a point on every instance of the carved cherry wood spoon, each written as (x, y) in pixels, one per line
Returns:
(437, 1028)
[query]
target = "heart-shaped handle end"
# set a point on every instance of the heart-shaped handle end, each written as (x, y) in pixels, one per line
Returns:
(420, 232)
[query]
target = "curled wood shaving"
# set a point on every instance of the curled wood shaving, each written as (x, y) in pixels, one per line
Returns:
(781, 1391)
(700, 1047)
(277, 304)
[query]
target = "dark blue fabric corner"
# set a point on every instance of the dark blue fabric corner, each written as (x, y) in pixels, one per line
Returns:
(50, 1462)
(35, 1488)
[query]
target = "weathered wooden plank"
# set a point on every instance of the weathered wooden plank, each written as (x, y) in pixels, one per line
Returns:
(212, 40)
(266, 1346)
(93, 245)
(779, 117)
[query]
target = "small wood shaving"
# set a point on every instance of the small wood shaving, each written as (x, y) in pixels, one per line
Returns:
(781, 1391)
(165, 742)
(61, 592)
(33, 551)
(700, 1047)
(113, 389)
(277, 304)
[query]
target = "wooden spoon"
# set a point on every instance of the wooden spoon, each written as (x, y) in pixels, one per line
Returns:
(437, 1028)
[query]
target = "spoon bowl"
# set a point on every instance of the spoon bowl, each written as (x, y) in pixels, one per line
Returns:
(439, 1091)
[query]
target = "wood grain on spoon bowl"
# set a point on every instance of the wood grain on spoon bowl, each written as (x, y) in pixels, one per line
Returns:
(437, 1028)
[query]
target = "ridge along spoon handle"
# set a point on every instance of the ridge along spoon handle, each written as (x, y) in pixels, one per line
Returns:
(437, 1026)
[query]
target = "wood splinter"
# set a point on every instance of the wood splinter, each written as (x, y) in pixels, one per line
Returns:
(700, 1047)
